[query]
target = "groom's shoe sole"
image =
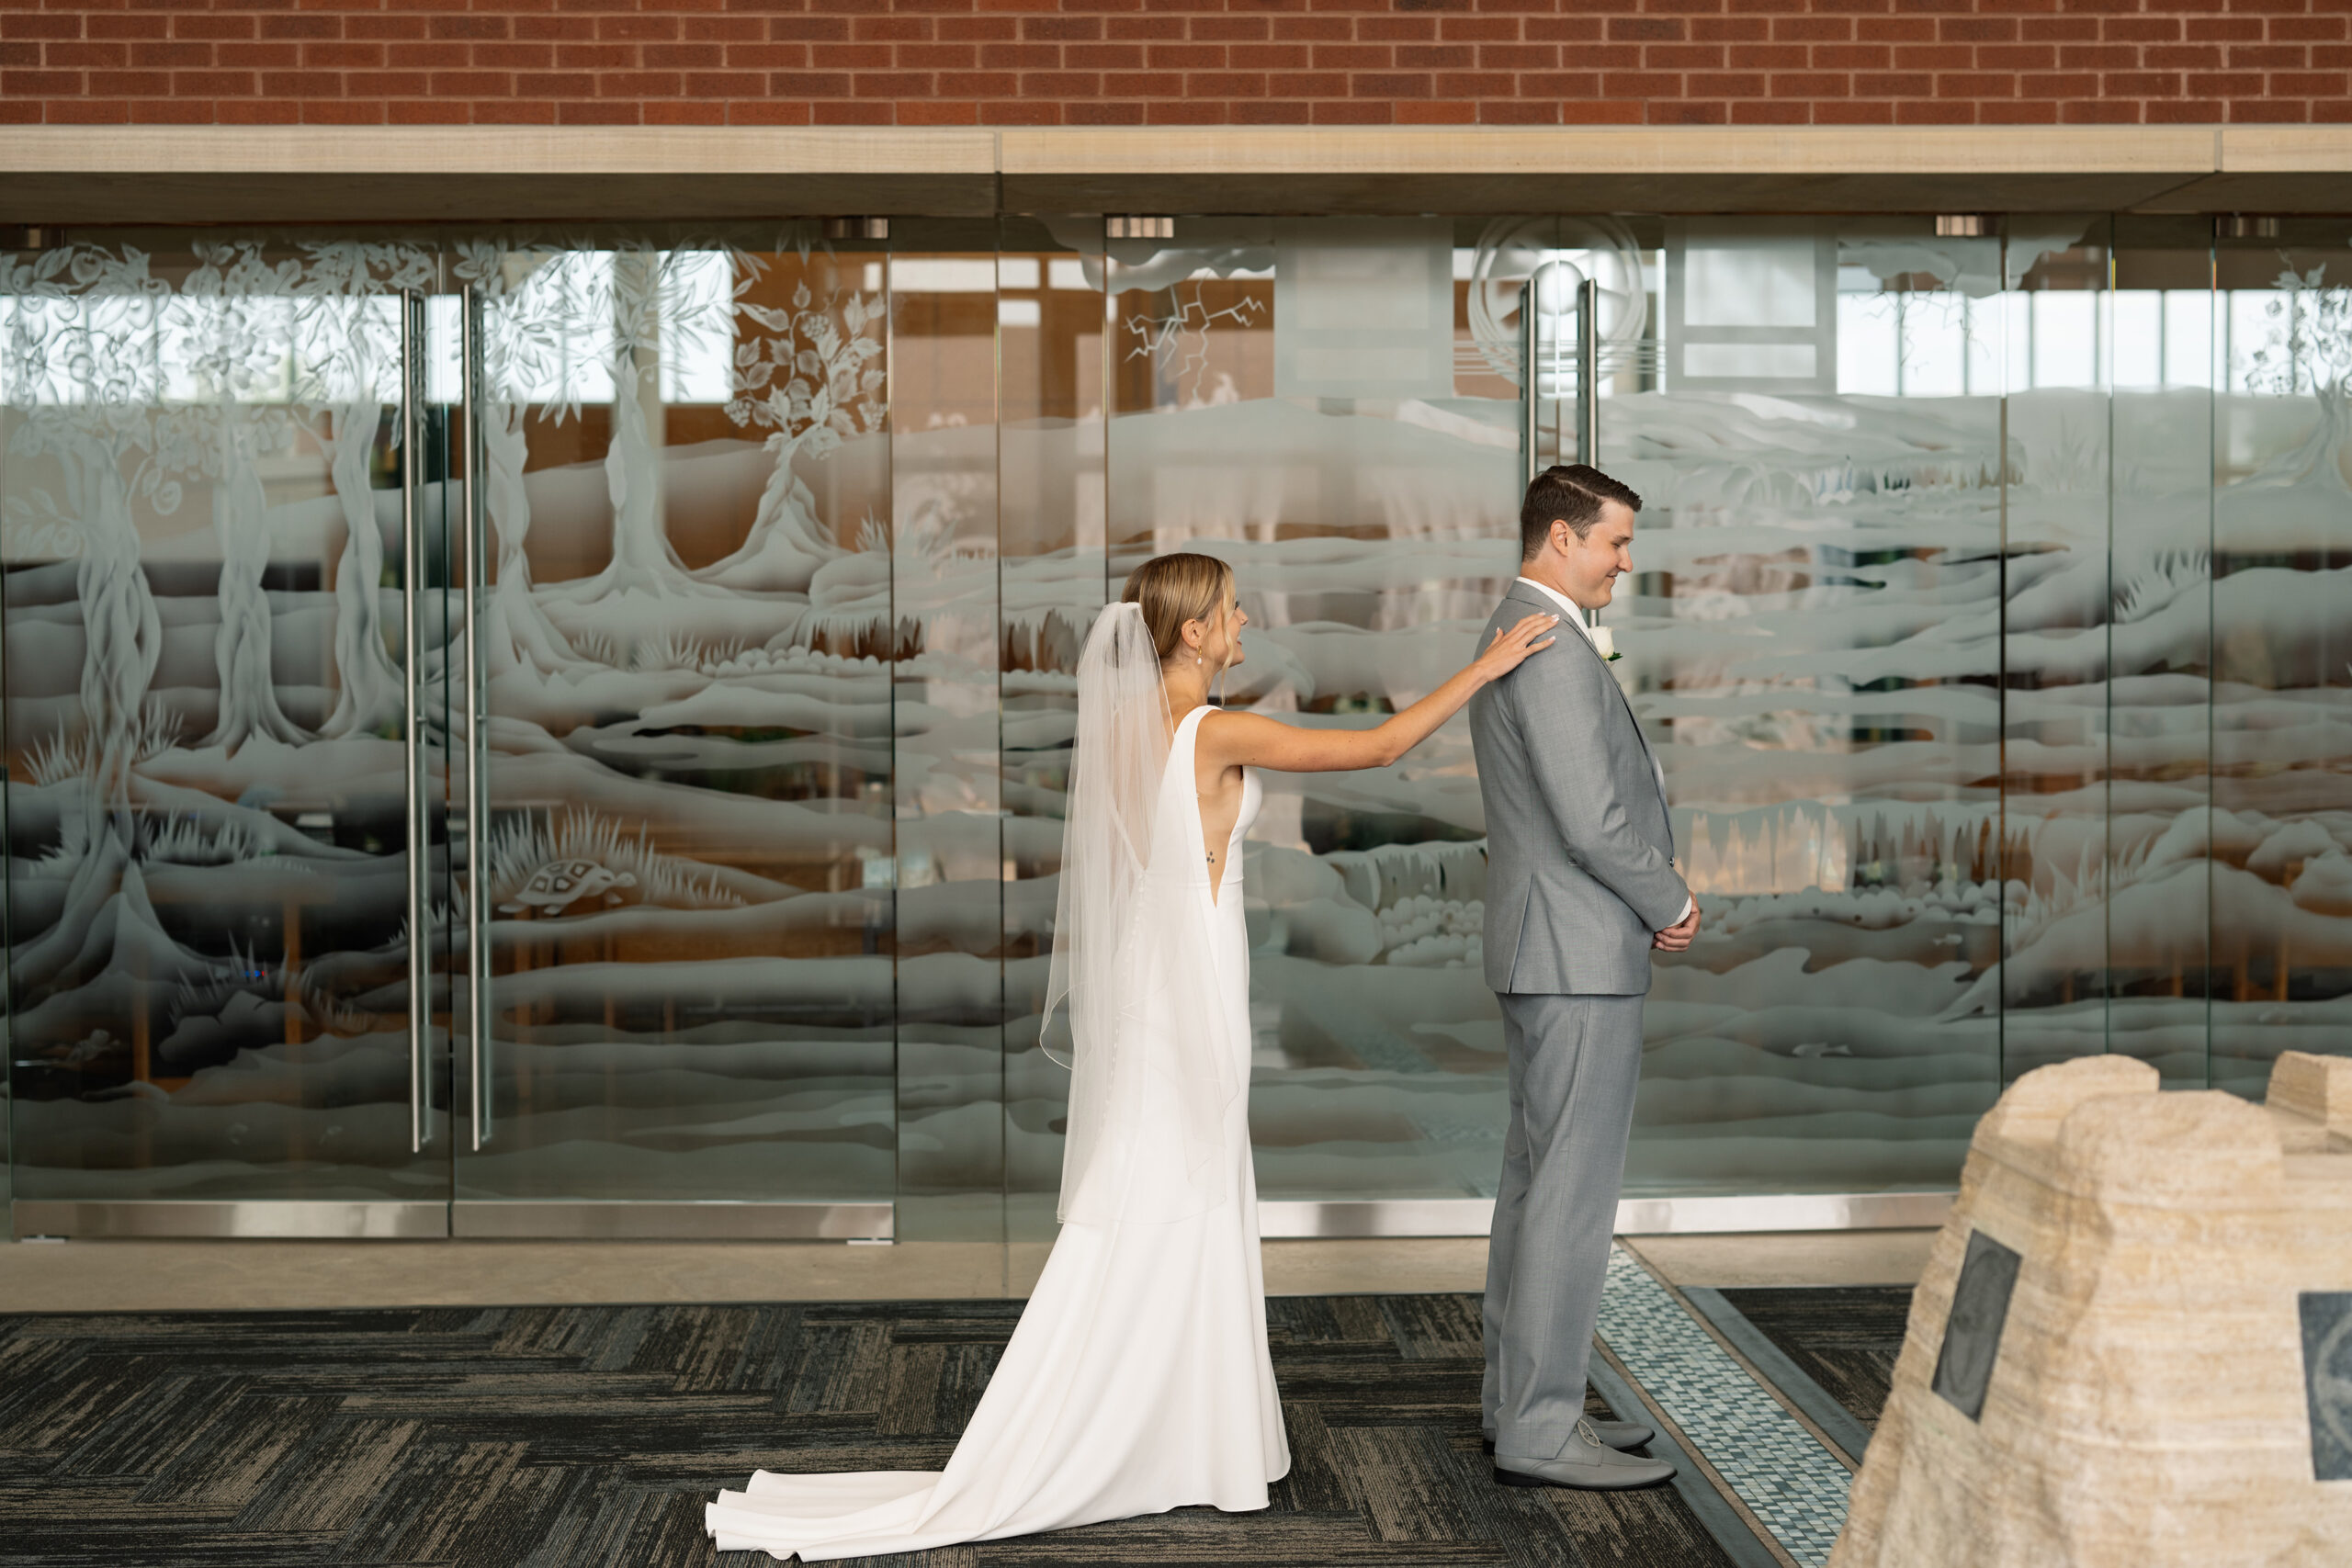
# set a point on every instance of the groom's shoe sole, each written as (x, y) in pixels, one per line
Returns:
(1593, 1478)
(1622, 1436)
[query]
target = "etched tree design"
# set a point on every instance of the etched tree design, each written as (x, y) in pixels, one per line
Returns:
(553, 308)
(236, 355)
(83, 387)
(643, 559)
(347, 335)
(82, 384)
(531, 299)
(810, 377)
(2309, 350)
(1177, 344)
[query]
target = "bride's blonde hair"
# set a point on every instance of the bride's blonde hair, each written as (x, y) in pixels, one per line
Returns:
(1173, 589)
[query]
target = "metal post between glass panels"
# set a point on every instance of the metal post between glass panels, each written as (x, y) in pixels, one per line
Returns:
(476, 817)
(420, 990)
(1535, 363)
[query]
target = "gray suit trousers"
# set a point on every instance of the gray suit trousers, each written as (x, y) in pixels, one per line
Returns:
(1574, 1062)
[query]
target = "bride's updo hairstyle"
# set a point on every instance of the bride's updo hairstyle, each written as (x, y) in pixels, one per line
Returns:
(1173, 589)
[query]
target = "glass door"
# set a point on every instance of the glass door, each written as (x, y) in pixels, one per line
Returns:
(215, 509)
(679, 899)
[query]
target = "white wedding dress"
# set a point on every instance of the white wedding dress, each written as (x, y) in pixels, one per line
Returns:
(1138, 1379)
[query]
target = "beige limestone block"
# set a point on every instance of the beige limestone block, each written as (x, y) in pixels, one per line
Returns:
(2147, 1406)
(2311, 1097)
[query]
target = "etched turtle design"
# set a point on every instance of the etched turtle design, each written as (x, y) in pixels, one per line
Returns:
(560, 883)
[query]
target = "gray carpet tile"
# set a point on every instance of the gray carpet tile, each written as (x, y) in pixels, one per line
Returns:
(580, 1437)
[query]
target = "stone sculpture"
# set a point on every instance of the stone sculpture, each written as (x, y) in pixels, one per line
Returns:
(2167, 1377)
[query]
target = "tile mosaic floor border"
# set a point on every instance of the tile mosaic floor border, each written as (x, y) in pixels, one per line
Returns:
(1742, 1537)
(1780, 1472)
(1787, 1379)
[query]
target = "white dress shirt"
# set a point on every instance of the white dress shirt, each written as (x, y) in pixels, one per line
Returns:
(1573, 614)
(1570, 610)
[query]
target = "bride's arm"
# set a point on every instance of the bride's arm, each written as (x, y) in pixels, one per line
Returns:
(1244, 739)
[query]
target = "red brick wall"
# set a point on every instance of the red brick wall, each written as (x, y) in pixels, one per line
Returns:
(1171, 62)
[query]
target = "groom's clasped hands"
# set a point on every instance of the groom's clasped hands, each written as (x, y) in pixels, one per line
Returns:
(1677, 937)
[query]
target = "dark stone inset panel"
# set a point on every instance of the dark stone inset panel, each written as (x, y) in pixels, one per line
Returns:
(1979, 1306)
(2328, 1380)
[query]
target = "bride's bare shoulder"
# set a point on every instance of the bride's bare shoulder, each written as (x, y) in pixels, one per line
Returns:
(1226, 721)
(1246, 740)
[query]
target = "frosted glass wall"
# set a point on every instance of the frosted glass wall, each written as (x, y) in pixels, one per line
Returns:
(2281, 650)
(199, 517)
(1307, 398)
(1990, 619)
(687, 720)
(1815, 640)
(1943, 657)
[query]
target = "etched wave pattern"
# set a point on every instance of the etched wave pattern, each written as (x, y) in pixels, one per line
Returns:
(1997, 661)
(206, 837)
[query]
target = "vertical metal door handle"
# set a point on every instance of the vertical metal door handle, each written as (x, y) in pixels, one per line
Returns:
(1589, 385)
(477, 751)
(419, 949)
(1530, 383)
(1589, 372)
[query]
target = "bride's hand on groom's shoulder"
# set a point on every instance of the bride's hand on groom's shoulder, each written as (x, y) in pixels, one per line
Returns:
(1252, 740)
(1677, 937)
(1513, 644)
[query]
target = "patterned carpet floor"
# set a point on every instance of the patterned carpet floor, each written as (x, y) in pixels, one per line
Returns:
(587, 1437)
(1846, 1338)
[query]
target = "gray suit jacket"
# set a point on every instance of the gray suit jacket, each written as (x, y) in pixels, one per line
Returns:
(1579, 847)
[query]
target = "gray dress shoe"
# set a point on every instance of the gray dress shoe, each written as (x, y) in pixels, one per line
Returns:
(1588, 1464)
(1616, 1434)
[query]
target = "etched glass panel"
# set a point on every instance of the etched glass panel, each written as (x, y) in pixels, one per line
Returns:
(2282, 650)
(1990, 619)
(1368, 509)
(2160, 636)
(950, 831)
(1050, 440)
(200, 519)
(685, 629)
(1811, 643)
(2056, 603)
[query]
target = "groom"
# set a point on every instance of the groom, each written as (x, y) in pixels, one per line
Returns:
(1580, 888)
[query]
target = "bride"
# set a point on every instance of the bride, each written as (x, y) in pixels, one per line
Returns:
(1138, 1379)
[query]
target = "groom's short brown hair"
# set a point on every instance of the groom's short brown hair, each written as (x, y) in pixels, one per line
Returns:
(1570, 494)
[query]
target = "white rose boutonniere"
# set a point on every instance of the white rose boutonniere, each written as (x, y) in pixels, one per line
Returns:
(1605, 645)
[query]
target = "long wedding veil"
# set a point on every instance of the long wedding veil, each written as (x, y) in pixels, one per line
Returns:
(1151, 1061)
